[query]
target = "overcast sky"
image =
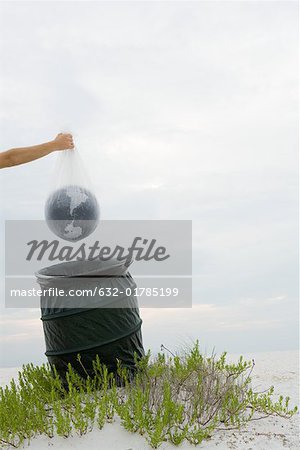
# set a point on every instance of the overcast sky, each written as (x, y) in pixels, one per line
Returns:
(181, 110)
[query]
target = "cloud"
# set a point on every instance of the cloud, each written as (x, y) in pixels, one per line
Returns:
(181, 110)
(14, 326)
(244, 314)
(243, 325)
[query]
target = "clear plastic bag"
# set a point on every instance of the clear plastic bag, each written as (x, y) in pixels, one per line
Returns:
(72, 211)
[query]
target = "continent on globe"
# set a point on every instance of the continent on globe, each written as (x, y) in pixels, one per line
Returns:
(72, 212)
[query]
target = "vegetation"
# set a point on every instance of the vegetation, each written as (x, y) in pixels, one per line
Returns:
(172, 398)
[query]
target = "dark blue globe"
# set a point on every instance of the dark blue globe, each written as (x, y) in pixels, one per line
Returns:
(72, 213)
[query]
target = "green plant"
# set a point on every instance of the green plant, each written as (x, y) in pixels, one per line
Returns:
(171, 398)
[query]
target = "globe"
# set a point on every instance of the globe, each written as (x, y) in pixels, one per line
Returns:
(72, 213)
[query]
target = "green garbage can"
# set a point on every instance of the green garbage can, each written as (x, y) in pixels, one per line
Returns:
(97, 315)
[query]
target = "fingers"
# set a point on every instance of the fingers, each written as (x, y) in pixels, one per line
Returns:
(65, 134)
(69, 140)
(64, 141)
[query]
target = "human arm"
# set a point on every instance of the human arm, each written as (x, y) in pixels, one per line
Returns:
(22, 155)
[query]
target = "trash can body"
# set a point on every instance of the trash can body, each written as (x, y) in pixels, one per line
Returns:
(103, 321)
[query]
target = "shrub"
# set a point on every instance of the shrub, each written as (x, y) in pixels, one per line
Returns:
(171, 398)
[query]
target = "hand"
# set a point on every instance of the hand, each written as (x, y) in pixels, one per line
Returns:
(63, 141)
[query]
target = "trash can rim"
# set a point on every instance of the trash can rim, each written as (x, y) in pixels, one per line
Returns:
(115, 268)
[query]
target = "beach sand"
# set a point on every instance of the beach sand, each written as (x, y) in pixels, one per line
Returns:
(280, 369)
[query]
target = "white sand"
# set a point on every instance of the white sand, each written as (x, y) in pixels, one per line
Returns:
(273, 368)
